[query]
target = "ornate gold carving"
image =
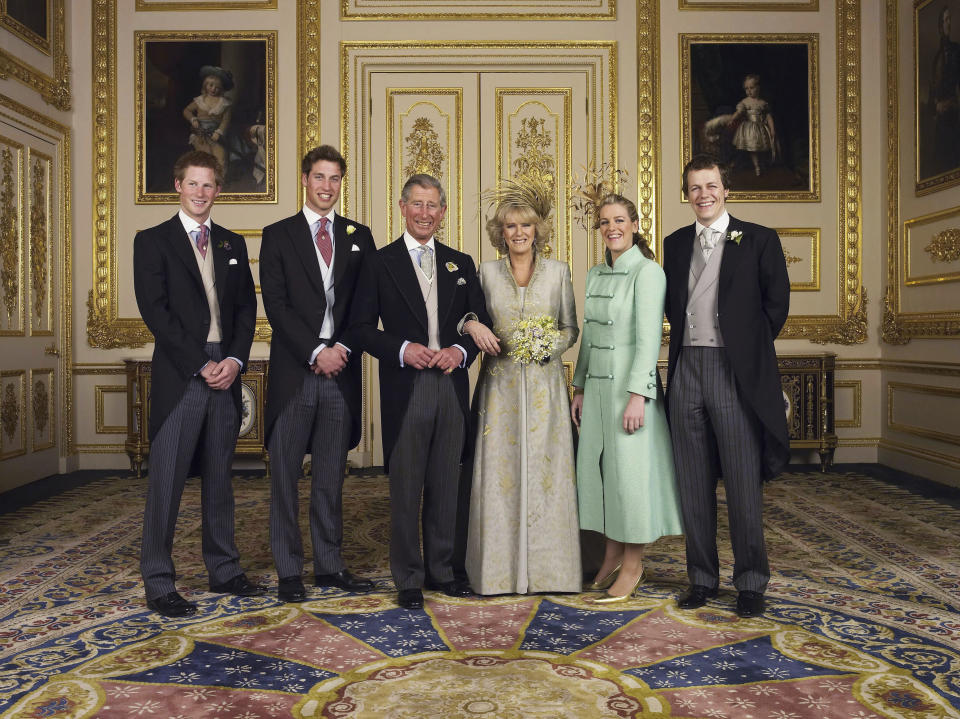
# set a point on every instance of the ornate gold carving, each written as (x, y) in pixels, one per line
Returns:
(535, 164)
(809, 5)
(945, 246)
(9, 237)
(648, 118)
(55, 88)
(41, 402)
(207, 5)
(38, 239)
(791, 259)
(425, 155)
(852, 330)
(308, 82)
(11, 411)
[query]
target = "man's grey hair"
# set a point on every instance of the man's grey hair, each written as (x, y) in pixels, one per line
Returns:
(422, 179)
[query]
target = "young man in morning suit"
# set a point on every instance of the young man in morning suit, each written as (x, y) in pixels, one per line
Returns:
(308, 269)
(728, 295)
(420, 289)
(195, 294)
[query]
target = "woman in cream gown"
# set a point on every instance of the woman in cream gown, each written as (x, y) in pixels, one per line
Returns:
(523, 532)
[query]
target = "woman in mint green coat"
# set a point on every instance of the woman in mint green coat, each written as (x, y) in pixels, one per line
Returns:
(625, 479)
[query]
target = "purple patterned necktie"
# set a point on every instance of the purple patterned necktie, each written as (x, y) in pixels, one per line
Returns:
(323, 241)
(203, 238)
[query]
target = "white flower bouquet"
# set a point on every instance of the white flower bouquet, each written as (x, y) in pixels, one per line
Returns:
(534, 339)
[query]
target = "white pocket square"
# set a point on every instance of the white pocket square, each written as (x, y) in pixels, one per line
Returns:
(233, 261)
(354, 248)
(461, 281)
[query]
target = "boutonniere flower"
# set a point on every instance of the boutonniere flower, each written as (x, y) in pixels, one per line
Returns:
(351, 229)
(451, 267)
(461, 281)
(224, 245)
(735, 236)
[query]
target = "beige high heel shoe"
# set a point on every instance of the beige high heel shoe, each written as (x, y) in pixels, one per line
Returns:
(603, 582)
(610, 599)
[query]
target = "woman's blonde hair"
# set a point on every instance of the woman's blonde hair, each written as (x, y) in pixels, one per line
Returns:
(522, 213)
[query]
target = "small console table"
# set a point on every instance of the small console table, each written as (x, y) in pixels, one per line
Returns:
(807, 384)
(253, 391)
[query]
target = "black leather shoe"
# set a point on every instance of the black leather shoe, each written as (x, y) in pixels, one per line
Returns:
(344, 580)
(453, 588)
(410, 599)
(750, 604)
(696, 596)
(291, 589)
(172, 605)
(239, 585)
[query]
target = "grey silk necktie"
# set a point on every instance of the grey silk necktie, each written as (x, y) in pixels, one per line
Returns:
(708, 241)
(425, 259)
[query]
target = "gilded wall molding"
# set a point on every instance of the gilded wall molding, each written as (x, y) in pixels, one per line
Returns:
(13, 413)
(11, 236)
(899, 327)
(147, 5)
(481, 10)
(53, 88)
(916, 430)
(856, 420)
(58, 135)
(648, 123)
(43, 407)
(41, 212)
(849, 326)
(105, 329)
(942, 247)
(919, 452)
(308, 78)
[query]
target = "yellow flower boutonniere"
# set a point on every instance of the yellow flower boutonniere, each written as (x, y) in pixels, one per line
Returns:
(451, 267)
(735, 237)
(351, 229)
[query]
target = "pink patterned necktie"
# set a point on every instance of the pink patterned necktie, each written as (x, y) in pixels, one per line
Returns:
(322, 239)
(203, 238)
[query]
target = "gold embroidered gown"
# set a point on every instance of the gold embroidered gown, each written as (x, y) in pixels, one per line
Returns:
(524, 532)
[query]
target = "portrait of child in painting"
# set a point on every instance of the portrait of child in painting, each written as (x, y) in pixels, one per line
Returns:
(209, 113)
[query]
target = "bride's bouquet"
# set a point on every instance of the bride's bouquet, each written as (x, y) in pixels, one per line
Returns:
(534, 339)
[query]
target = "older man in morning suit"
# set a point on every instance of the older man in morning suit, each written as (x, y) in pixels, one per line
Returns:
(195, 294)
(728, 296)
(308, 269)
(420, 289)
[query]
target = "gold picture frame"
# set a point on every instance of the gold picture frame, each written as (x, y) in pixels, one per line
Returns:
(936, 109)
(53, 84)
(771, 140)
(171, 68)
(481, 10)
(147, 5)
(30, 20)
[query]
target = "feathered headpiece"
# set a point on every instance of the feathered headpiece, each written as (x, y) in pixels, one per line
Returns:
(588, 191)
(525, 192)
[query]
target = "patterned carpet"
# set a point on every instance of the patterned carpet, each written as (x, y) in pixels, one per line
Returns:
(863, 621)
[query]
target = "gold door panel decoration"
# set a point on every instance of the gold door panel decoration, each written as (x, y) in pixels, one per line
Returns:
(40, 62)
(13, 413)
(43, 405)
(535, 144)
(931, 248)
(478, 10)
(45, 194)
(11, 238)
(801, 249)
(40, 222)
(425, 135)
(263, 331)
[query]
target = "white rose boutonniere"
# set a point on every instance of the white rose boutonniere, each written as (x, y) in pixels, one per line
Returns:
(735, 237)
(451, 267)
(351, 229)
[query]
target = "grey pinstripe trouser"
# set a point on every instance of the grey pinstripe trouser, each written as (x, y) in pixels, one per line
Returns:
(203, 415)
(317, 420)
(715, 434)
(426, 459)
